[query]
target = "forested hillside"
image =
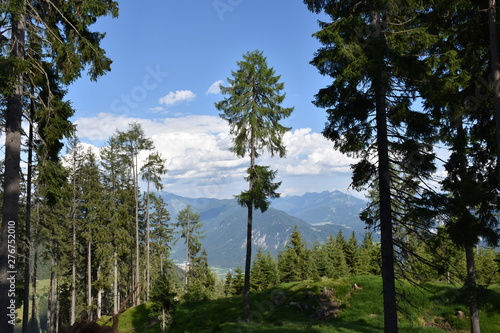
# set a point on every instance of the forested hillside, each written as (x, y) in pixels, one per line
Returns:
(201, 174)
(224, 236)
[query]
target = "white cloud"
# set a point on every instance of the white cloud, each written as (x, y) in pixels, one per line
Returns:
(214, 88)
(158, 109)
(176, 97)
(200, 164)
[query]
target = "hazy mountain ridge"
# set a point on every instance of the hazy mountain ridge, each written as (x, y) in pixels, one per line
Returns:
(317, 215)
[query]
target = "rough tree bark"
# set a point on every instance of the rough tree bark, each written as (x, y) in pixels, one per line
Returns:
(11, 185)
(384, 178)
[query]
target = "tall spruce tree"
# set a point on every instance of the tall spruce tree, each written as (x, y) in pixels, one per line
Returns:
(152, 170)
(62, 28)
(163, 298)
(201, 282)
(265, 272)
(253, 110)
(238, 281)
(188, 222)
(293, 261)
(352, 254)
(458, 92)
(369, 256)
(119, 198)
(335, 249)
(371, 50)
(132, 142)
(162, 232)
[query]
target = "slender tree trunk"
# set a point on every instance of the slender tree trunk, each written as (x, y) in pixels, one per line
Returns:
(147, 246)
(57, 311)
(99, 304)
(34, 299)
(11, 185)
(161, 263)
(248, 259)
(495, 68)
(163, 323)
(137, 265)
(35, 319)
(73, 261)
(187, 251)
(27, 266)
(51, 309)
(116, 296)
(35, 325)
(471, 287)
(384, 177)
(99, 294)
(89, 279)
(248, 262)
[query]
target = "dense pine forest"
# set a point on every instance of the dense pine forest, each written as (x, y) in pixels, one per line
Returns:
(413, 97)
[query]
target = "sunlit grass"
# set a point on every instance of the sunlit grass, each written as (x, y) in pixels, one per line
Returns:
(425, 310)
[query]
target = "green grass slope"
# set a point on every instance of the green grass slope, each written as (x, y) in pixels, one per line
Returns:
(325, 307)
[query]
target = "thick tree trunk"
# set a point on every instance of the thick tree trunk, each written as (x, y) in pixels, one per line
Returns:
(471, 288)
(384, 178)
(386, 239)
(11, 186)
(495, 68)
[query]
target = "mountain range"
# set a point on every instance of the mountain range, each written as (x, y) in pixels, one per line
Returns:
(316, 215)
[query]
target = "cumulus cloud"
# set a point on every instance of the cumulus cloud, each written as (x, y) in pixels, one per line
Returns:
(214, 88)
(200, 164)
(175, 97)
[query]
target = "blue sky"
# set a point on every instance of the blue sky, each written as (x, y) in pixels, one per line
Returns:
(168, 58)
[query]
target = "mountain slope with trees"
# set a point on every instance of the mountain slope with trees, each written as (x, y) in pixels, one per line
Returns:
(223, 222)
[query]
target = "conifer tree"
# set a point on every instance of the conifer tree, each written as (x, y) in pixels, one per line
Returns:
(458, 92)
(253, 110)
(118, 199)
(201, 282)
(369, 256)
(368, 54)
(238, 281)
(228, 284)
(293, 261)
(62, 30)
(91, 211)
(163, 298)
(335, 248)
(320, 264)
(189, 223)
(152, 170)
(352, 255)
(265, 272)
(131, 143)
(162, 233)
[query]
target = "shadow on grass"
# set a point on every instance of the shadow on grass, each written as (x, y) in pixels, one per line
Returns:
(489, 298)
